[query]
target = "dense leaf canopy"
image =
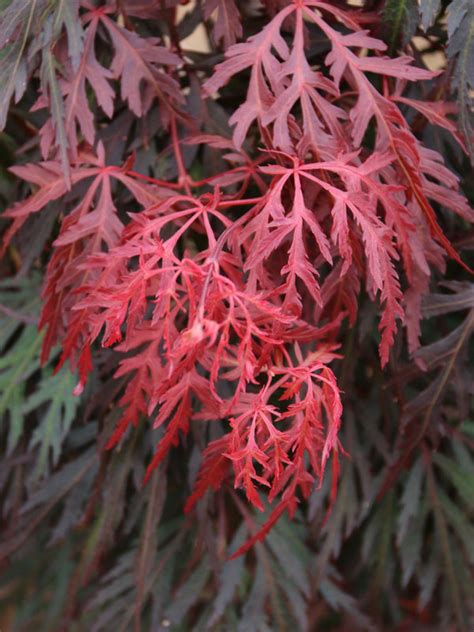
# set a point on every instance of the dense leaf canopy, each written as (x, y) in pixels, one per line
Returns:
(236, 307)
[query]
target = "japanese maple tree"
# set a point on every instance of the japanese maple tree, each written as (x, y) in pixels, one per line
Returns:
(217, 224)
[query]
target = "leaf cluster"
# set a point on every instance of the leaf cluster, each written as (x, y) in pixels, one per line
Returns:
(236, 315)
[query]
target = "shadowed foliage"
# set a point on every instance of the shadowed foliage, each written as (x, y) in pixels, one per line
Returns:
(236, 315)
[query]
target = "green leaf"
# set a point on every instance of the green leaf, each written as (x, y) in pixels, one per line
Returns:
(462, 480)
(16, 366)
(52, 397)
(55, 395)
(19, 303)
(340, 600)
(400, 20)
(468, 428)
